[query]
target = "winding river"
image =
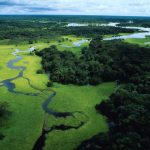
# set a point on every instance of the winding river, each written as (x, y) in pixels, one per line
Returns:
(40, 143)
(8, 83)
(142, 34)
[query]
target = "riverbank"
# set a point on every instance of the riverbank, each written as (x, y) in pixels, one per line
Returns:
(25, 123)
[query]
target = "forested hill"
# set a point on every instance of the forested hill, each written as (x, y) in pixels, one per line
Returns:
(101, 61)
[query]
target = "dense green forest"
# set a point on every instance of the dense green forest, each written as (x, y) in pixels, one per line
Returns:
(128, 108)
(4, 114)
(33, 31)
(101, 61)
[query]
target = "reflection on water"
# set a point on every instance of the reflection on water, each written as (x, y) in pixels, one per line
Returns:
(31, 49)
(79, 43)
(144, 32)
(147, 43)
(77, 24)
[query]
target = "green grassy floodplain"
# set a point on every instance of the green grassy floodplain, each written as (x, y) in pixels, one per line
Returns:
(68, 41)
(78, 98)
(139, 41)
(25, 124)
(26, 121)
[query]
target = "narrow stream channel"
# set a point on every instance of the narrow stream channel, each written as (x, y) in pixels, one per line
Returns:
(8, 82)
(40, 143)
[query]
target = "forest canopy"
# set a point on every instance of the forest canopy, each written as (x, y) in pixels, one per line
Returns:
(101, 61)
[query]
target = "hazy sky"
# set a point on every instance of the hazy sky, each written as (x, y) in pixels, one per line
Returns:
(79, 7)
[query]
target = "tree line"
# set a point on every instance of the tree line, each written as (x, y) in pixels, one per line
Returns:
(100, 62)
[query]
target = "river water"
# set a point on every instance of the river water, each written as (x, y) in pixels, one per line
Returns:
(142, 34)
(31, 49)
(40, 143)
(79, 43)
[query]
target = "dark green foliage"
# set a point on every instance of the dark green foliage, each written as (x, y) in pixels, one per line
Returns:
(1, 136)
(3, 110)
(30, 41)
(30, 31)
(50, 84)
(4, 114)
(40, 71)
(128, 112)
(93, 31)
(101, 61)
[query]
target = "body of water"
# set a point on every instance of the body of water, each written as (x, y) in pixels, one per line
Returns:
(31, 49)
(79, 43)
(142, 34)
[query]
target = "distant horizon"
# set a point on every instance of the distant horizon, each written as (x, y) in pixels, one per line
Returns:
(71, 15)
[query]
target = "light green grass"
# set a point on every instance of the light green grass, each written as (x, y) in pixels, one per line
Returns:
(139, 41)
(32, 64)
(5, 56)
(69, 42)
(26, 121)
(77, 98)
